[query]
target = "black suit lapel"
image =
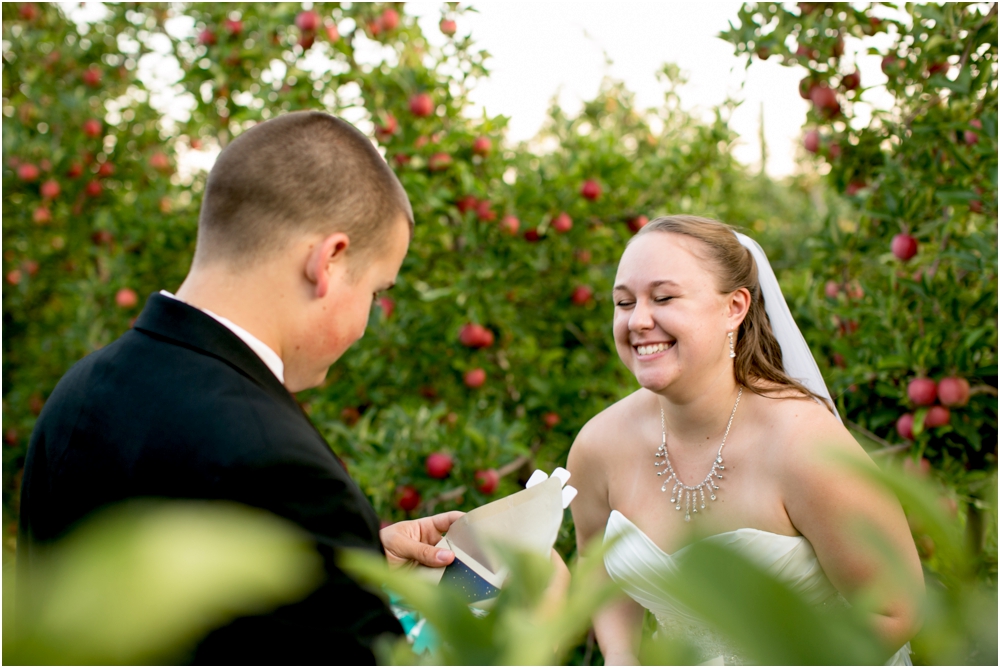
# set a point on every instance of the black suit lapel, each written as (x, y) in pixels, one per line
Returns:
(185, 325)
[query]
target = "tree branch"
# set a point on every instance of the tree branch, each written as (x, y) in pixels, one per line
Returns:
(887, 447)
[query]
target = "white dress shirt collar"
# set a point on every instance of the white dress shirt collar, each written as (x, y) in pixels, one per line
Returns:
(264, 352)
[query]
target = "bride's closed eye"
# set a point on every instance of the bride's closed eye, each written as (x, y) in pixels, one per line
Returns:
(623, 303)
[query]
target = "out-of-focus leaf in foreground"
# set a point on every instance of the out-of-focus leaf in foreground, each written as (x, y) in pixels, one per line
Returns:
(140, 583)
(764, 616)
(524, 626)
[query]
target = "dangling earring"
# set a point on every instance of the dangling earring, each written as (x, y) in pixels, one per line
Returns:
(732, 346)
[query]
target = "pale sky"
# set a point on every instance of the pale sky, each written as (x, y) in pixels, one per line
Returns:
(542, 49)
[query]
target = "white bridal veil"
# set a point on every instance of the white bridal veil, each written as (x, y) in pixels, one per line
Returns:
(798, 359)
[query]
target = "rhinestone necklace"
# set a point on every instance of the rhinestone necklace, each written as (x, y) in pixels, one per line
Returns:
(693, 497)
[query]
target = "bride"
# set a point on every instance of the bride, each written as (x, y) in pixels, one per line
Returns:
(728, 436)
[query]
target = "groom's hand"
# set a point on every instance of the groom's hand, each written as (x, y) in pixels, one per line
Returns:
(414, 540)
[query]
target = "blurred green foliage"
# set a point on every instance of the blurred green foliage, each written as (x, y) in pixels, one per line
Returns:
(141, 582)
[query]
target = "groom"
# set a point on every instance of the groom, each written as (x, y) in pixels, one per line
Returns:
(301, 226)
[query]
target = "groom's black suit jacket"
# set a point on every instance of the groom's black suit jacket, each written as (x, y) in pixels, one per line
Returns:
(180, 408)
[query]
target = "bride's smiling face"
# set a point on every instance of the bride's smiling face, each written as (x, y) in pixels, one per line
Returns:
(671, 322)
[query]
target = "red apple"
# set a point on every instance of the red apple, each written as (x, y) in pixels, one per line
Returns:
(922, 391)
(448, 27)
(332, 33)
(28, 11)
(233, 26)
(387, 306)
(30, 266)
(484, 212)
(92, 76)
(590, 189)
(10, 437)
(306, 40)
(36, 403)
(421, 105)
(407, 498)
(763, 52)
(466, 203)
(307, 21)
(439, 465)
(105, 169)
(473, 335)
(487, 481)
(892, 64)
(206, 37)
(532, 235)
(510, 225)
(904, 426)
(975, 206)
(390, 19)
(824, 98)
(439, 162)
(937, 416)
(904, 246)
(14, 276)
(28, 172)
(126, 298)
(550, 420)
(941, 67)
(160, 162)
(832, 289)
(75, 170)
(50, 189)
(839, 361)
(375, 27)
(388, 128)
(94, 189)
(953, 391)
(917, 469)
(854, 187)
(582, 294)
(637, 223)
(350, 416)
(482, 145)
(562, 223)
(970, 136)
(584, 256)
(833, 151)
(102, 238)
(811, 141)
(475, 378)
(92, 127)
(851, 80)
(41, 215)
(855, 291)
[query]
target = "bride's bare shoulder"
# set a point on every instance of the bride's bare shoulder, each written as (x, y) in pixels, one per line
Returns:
(610, 425)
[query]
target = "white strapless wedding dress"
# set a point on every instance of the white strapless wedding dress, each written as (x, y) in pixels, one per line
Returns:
(790, 558)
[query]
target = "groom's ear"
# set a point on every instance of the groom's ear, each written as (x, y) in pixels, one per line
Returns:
(327, 258)
(738, 306)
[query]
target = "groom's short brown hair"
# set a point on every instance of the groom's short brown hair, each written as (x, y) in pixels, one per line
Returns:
(302, 172)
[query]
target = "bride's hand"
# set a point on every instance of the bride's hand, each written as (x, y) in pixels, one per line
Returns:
(414, 540)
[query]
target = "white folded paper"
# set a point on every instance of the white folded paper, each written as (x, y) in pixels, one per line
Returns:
(528, 520)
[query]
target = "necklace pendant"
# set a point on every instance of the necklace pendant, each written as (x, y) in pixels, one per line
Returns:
(682, 495)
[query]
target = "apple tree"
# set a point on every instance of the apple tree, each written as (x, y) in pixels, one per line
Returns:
(899, 297)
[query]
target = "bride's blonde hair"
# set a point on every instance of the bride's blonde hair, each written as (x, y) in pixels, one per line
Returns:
(758, 365)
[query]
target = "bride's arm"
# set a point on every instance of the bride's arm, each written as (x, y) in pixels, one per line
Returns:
(618, 626)
(837, 509)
